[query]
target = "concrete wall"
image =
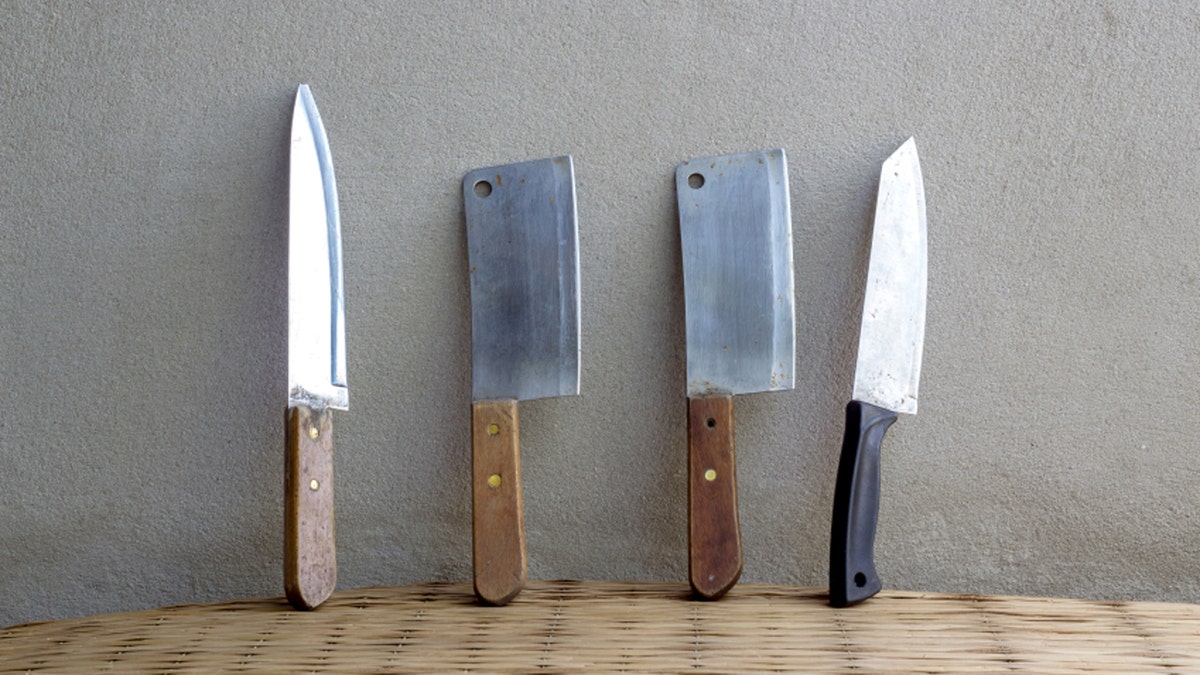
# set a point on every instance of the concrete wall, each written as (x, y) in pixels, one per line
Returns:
(143, 234)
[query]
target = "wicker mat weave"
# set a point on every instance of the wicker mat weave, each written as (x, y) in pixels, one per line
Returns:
(566, 626)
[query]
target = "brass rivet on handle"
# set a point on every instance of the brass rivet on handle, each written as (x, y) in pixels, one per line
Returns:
(493, 429)
(494, 480)
(313, 484)
(313, 432)
(710, 475)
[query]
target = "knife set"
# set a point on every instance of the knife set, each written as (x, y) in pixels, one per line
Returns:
(523, 250)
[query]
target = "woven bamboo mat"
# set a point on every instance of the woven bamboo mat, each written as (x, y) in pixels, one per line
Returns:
(567, 626)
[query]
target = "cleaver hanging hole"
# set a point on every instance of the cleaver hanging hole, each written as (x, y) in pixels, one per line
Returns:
(483, 189)
(695, 181)
(860, 579)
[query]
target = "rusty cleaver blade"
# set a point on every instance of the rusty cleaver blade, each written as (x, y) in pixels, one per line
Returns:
(523, 252)
(316, 359)
(736, 235)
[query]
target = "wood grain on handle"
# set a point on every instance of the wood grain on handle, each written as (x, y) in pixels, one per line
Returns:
(498, 536)
(310, 557)
(714, 541)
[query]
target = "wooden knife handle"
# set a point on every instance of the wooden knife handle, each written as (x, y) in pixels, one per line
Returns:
(714, 541)
(310, 557)
(498, 536)
(852, 576)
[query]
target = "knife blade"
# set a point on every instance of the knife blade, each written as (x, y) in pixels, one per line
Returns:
(888, 371)
(316, 359)
(736, 238)
(523, 252)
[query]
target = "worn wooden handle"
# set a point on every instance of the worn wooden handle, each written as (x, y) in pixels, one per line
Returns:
(310, 558)
(499, 522)
(714, 541)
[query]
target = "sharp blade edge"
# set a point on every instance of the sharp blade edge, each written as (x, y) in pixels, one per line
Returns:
(736, 238)
(316, 310)
(891, 340)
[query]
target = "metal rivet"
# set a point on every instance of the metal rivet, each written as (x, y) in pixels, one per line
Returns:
(313, 484)
(710, 475)
(313, 432)
(494, 480)
(493, 429)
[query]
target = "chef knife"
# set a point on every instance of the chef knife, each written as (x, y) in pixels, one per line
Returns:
(522, 249)
(316, 359)
(888, 371)
(736, 236)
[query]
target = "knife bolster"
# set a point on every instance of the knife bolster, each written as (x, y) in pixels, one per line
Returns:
(498, 535)
(310, 555)
(714, 539)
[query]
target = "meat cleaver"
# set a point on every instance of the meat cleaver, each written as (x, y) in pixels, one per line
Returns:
(736, 234)
(888, 370)
(316, 359)
(523, 253)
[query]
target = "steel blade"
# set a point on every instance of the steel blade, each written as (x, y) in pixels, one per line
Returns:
(316, 316)
(892, 336)
(736, 232)
(523, 252)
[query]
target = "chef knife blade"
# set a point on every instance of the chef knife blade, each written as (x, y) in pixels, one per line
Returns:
(316, 359)
(736, 237)
(522, 248)
(888, 371)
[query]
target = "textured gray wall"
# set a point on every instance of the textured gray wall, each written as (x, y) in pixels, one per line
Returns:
(143, 291)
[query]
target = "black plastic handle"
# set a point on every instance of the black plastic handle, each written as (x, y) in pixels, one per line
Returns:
(852, 576)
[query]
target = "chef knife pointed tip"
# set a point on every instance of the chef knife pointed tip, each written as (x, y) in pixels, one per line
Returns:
(907, 149)
(303, 93)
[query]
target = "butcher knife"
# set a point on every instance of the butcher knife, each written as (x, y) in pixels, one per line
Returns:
(316, 360)
(890, 343)
(736, 234)
(522, 248)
